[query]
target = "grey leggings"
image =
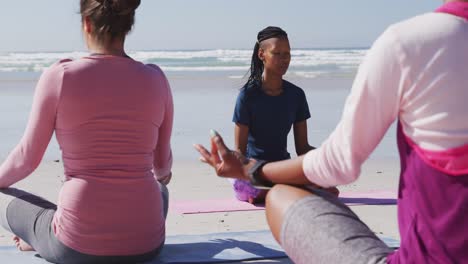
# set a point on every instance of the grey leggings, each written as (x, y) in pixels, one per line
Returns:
(320, 229)
(29, 217)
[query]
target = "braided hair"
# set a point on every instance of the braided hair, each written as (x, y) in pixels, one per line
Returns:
(256, 66)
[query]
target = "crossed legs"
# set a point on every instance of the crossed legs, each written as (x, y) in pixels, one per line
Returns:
(29, 217)
(315, 227)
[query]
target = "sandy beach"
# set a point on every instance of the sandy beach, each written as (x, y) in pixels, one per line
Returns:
(201, 104)
(193, 180)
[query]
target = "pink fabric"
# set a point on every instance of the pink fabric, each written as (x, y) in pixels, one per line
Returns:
(234, 205)
(456, 8)
(112, 117)
(213, 206)
(431, 212)
(452, 162)
(415, 72)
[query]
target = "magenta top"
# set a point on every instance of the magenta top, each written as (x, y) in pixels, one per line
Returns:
(112, 117)
(431, 210)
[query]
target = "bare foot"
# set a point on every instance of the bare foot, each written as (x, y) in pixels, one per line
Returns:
(21, 245)
(259, 199)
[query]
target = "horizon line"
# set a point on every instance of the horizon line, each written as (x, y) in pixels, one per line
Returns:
(186, 50)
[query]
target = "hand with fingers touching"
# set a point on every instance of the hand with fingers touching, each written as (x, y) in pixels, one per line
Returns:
(232, 164)
(226, 162)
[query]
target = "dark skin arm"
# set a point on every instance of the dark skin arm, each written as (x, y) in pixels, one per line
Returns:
(232, 164)
(241, 133)
(289, 171)
(300, 138)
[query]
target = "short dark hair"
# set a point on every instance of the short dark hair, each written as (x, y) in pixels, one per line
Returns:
(110, 18)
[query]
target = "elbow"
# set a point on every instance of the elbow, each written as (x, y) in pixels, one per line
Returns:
(163, 166)
(343, 170)
(19, 172)
(19, 165)
(352, 175)
(350, 172)
(342, 177)
(328, 168)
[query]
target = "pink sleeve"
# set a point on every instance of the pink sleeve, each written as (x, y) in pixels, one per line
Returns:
(370, 109)
(163, 153)
(27, 155)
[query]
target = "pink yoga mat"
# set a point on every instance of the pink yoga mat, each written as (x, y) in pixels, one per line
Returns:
(232, 205)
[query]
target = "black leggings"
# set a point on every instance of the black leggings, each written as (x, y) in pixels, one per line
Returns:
(30, 217)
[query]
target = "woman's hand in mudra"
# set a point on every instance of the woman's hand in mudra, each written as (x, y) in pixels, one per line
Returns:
(226, 162)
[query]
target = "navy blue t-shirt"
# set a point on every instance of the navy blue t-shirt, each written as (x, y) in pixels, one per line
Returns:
(270, 119)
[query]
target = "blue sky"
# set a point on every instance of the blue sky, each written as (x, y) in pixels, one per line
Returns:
(54, 25)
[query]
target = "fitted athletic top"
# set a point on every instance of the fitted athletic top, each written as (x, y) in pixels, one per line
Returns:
(112, 117)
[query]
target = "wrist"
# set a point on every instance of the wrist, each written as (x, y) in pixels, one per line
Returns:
(256, 178)
(165, 179)
(248, 165)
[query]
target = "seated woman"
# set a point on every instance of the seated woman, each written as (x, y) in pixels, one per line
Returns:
(267, 108)
(112, 117)
(414, 73)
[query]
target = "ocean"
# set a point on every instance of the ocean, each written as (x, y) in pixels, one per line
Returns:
(307, 63)
(205, 84)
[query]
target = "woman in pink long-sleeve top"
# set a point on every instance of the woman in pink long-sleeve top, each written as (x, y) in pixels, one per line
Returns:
(415, 73)
(112, 117)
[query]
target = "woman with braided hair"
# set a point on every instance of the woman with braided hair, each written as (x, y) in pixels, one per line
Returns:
(112, 117)
(267, 107)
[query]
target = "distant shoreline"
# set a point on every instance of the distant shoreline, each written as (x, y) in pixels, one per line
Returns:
(305, 63)
(172, 50)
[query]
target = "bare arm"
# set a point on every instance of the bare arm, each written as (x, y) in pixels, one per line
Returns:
(286, 171)
(232, 164)
(241, 133)
(300, 138)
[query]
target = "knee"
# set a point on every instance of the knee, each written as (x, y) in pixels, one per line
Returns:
(284, 195)
(273, 196)
(275, 209)
(279, 199)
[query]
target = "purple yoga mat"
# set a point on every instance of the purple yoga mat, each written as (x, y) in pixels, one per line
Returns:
(232, 205)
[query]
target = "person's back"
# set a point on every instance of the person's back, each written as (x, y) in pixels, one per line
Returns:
(415, 73)
(432, 50)
(108, 118)
(112, 117)
(433, 138)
